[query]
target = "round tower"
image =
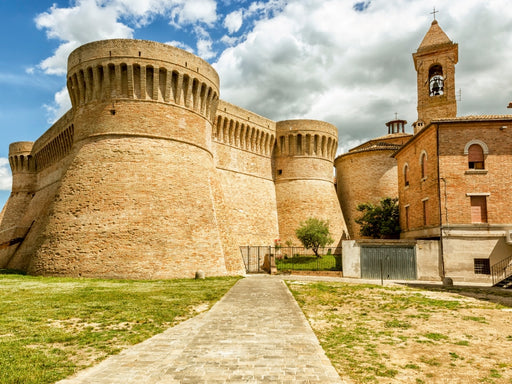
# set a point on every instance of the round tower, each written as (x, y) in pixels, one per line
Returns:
(368, 173)
(22, 166)
(305, 151)
(140, 198)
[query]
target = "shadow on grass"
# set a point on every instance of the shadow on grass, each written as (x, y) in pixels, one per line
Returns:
(489, 294)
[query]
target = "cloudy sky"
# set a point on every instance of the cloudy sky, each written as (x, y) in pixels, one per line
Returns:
(347, 62)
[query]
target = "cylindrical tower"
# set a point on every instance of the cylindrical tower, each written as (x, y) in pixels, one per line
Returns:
(304, 177)
(368, 173)
(22, 166)
(138, 198)
(23, 187)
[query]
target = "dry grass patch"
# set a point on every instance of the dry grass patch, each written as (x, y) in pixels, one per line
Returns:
(417, 335)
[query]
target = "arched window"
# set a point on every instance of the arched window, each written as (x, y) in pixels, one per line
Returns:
(475, 157)
(406, 175)
(436, 80)
(423, 164)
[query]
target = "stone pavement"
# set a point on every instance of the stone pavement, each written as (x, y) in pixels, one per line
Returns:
(255, 334)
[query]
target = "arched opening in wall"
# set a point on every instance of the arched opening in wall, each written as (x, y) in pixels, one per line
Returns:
(174, 85)
(315, 145)
(423, 165)
(112, 79)
(225, 133)
(136, 81)
(231, 132)
(90, 82)
(81, 85)
(299, 144)
(291, 139)
(281, 146)
(436, 80)
(216, 131)
(149, 82)
(101, 82)
(162, 84)
(237, 134)
(476, 157)
(202, 98)
(184, 89)
(406, 175)
(195, 94)
(252, 140)
(124, 80)
(324, 143)
(245, 136)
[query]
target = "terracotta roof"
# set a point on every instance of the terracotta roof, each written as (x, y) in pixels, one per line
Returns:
(435, 36)
(473, 118)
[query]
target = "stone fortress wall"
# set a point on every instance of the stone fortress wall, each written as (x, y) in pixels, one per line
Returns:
(150, 175)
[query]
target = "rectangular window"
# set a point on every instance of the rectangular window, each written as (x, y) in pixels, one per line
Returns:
(407, 217)
(482, 267)
(478, 209)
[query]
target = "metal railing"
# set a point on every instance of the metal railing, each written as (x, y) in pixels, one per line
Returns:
(501, 270)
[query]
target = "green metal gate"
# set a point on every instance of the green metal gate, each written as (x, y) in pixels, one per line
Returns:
(388, 262)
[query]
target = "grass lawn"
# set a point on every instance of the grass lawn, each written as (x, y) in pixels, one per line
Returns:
(52, 327)
(308, 263)
(398, 334)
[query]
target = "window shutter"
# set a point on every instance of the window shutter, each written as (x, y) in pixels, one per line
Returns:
(475, 153)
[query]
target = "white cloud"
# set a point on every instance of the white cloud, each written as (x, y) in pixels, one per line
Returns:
(59, 107)
(90, 20)
(204, 49)
(233, 21)
(326, 60)
(5, 175)
(180, 45)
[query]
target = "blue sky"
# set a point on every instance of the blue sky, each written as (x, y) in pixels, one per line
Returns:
(347, 62)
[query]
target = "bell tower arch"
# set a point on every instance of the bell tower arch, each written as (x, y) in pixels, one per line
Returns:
(434, 62)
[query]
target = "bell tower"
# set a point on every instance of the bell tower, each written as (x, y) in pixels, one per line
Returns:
(434, 62)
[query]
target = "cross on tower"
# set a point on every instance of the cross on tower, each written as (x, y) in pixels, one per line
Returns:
(434, 12)
(396, 116)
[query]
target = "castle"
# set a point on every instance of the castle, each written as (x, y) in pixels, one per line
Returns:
(150, 175)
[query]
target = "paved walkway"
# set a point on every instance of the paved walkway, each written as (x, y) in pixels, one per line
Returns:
(255, 334)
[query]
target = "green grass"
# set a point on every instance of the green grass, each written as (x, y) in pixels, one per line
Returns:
(308, 263)
(52, 327)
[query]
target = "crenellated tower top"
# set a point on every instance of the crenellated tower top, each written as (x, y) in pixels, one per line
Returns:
(110, 70)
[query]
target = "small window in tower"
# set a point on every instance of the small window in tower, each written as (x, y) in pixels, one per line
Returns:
(436, 80)
(406, 175)
(279, 171)
(475, 157)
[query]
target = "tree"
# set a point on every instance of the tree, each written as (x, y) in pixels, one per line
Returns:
(313, 234)
(380, 220)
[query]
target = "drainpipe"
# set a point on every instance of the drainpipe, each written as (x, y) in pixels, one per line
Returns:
(441, 226)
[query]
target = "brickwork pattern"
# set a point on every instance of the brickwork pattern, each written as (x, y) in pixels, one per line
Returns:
(362, 177)
(421, 190)
(150, 175)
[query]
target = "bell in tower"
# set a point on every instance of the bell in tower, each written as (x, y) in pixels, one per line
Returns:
(434, 62)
